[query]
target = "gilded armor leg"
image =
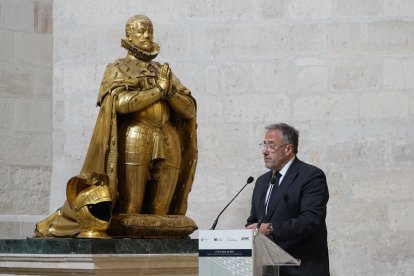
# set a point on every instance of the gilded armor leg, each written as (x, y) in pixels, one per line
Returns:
(162, 188)
(132, 191)
(149, 168)
(135, 156)
(165, 172)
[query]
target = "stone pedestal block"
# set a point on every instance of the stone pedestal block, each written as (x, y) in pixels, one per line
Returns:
(99, 257)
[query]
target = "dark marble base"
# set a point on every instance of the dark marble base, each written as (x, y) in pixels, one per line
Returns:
(98, 246)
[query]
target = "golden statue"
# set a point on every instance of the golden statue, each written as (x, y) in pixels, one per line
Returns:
(143, 149)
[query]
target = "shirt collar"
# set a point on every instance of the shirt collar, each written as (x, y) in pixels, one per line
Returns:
(285, 168)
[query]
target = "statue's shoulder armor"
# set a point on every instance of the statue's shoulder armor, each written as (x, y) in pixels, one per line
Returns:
(137, 68)
(119, 73)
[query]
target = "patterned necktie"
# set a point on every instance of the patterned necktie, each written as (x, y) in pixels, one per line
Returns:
(274, 184)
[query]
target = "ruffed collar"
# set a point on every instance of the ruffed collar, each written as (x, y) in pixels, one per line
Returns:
(141, 54)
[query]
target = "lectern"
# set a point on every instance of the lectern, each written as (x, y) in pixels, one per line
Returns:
(239, 252)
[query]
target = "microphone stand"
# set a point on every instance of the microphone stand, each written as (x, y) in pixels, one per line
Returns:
(249, 180)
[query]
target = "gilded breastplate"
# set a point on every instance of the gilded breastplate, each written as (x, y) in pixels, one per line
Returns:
(155, 115)
(158, 113)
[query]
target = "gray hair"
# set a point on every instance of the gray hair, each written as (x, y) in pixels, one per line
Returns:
(289, 134)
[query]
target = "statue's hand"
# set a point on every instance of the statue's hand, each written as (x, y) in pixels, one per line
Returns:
(164, 78)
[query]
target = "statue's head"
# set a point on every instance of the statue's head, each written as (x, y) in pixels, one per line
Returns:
(140, 33)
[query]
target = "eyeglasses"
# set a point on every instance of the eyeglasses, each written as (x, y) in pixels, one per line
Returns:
(270, 147)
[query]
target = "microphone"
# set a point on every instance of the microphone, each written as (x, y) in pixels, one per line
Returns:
(249, 180)
(272, 182)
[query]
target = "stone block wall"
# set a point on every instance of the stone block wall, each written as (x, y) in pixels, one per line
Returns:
(25, 114)
(339, 70)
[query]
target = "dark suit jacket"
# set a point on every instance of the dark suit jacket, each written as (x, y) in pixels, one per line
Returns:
(297, 211)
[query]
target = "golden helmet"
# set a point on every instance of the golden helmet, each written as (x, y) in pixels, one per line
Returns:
(90, 199)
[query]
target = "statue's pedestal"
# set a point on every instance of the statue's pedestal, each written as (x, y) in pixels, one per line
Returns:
(99, 257)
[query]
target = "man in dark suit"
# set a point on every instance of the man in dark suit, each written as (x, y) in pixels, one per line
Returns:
(289, 203)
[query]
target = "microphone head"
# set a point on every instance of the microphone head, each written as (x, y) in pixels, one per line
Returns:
(273, 180)
(250, 179)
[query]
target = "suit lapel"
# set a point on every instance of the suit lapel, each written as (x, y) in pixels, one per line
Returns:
(287, 180)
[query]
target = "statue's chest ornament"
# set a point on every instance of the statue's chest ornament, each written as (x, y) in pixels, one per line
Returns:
(147, 77)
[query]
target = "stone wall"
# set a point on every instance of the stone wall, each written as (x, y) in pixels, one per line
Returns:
(25, 114)
(339, 70)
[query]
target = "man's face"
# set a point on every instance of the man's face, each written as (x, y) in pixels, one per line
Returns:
(142, 35)
(275, 153)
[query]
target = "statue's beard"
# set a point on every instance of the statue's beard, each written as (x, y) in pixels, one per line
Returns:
(139, 53)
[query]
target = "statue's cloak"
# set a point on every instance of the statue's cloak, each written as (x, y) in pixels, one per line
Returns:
(102, 155)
